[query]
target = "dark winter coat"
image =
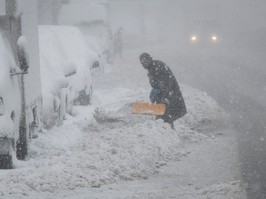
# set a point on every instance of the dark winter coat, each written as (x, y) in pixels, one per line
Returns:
(162, 78)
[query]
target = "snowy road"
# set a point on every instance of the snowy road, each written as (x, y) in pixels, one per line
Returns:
(103, 151)
(236, 80)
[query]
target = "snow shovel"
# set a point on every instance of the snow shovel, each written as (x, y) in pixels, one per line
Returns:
(148, 108)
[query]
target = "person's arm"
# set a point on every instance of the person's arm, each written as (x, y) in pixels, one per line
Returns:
(164, 82)
(154, 95)
(154, 82)
(159, 80)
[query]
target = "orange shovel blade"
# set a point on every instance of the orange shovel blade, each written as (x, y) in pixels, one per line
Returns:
(148, 108)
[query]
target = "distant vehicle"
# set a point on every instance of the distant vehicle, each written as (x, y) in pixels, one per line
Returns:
(68, 67)
(201, 29)
(208, 38)
(20, 87)
(203, 32)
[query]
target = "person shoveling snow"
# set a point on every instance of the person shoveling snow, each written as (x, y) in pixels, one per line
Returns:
(165, 89)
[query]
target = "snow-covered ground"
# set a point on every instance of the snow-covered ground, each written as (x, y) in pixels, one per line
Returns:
(104, 151)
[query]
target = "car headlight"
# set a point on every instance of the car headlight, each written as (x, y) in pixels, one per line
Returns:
(194, 38)
(2, 110)
(214, 38)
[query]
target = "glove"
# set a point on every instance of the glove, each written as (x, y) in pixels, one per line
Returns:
(154, 95)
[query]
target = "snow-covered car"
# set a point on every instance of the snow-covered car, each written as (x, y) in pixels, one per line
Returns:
(20, 85)
(9, 103)
(67, 66)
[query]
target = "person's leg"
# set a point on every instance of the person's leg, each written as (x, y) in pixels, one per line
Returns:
(172, 125)
(168, 120)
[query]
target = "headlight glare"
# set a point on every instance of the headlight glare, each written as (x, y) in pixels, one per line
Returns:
(214, 38)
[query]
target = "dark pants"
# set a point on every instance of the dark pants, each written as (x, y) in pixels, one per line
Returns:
(166, 120)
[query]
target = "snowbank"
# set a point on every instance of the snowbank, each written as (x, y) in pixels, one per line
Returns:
(104, 144)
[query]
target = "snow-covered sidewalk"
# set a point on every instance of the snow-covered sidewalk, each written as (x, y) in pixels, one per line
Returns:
(103, 151)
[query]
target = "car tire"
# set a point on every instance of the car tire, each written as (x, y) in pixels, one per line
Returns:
(6, 161)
